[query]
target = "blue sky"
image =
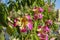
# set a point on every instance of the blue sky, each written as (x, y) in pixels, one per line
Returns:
(57, 6)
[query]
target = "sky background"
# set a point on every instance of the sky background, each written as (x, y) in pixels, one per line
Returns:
(57, 6)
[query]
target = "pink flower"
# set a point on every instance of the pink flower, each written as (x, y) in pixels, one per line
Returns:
(28, 17)
(23, 29)
(46, 38)
(15, 20)
(35, 9)
(39, 27)
(40, 16)
(14, 24)
(46, 29)
(41, 9)
(42, 37)
(39, 34)
(30, 25)
(49, 22)
(35, 17)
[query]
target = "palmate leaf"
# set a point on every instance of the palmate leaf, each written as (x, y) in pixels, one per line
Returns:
(3, 15)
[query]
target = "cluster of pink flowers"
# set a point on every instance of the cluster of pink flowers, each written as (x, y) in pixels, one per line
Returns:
(27, 22)
(24, 22)
(43, 32)
(38, 13)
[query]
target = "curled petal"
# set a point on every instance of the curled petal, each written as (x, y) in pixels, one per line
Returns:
(39, 34)
(46, 38)
(46, 29)
(30, 26)
(28, 17)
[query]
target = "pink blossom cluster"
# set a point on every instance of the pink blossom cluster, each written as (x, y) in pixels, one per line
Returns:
(26, 23)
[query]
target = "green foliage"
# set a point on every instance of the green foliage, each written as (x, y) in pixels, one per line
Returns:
(26, 6)
(3, 14)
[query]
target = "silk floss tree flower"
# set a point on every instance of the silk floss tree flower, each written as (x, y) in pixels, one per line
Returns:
(36, 10)
(15, 21)
(48, 22)
(28, 17)
(23, 21)
(39, 28)
(46, 37)
(39, 34)
(23, 24)
(40, 16)
(37, 14)
(35, 17)
(30, 25)
(42, 37)
(23, 29)
(44, 34)
(46, 29)
(41, 9)
(39, 31)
